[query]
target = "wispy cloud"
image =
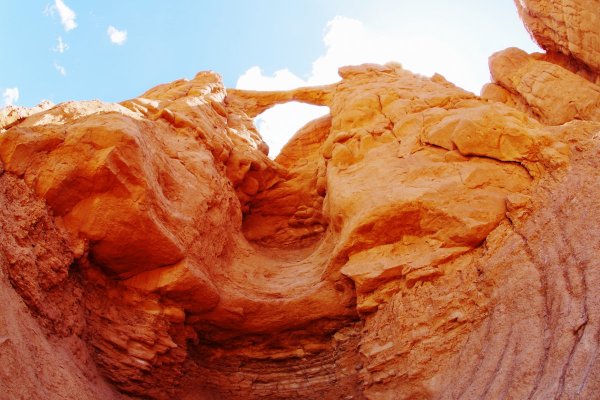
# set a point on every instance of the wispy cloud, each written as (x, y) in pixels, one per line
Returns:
(49, 10)
(61, 70)
(67, 15)
(116, 36)
(61, 46)
(10, 96)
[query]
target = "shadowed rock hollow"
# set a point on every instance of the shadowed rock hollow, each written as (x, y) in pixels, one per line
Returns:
(417, 242)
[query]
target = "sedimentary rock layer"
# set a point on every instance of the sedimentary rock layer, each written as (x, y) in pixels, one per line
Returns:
(417, 242)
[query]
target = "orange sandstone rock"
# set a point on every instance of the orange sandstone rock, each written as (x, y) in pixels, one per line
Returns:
(11, 115)
(554, 94)
(567, 26)
(417, 242)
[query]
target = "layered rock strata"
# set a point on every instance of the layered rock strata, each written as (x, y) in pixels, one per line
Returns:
(417, 242)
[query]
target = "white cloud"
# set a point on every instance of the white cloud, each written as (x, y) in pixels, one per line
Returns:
(116, 36)
(253, 79)
(350, 42)
(10, 96)
(61, 70)
(61, 46)
(67, 16)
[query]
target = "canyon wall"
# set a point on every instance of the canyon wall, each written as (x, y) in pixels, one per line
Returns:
(419, 242)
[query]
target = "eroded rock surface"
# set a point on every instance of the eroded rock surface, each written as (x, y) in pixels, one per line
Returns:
(569, 27)
(417, 242)
(43, 352)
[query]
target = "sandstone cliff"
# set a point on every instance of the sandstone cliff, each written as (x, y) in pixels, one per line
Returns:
(417, 242)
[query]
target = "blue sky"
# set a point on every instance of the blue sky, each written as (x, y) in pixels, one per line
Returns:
(261, 44)
(165, 41)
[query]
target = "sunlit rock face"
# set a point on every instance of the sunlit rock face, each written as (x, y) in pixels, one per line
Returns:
(569, 27)
(560, 85)
(417, 242)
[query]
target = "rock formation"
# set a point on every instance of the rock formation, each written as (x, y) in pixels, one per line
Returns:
(418, 242)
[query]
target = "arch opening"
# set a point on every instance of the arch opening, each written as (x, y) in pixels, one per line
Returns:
(278, 124)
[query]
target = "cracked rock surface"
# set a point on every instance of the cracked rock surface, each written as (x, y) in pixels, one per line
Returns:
(419, 242)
